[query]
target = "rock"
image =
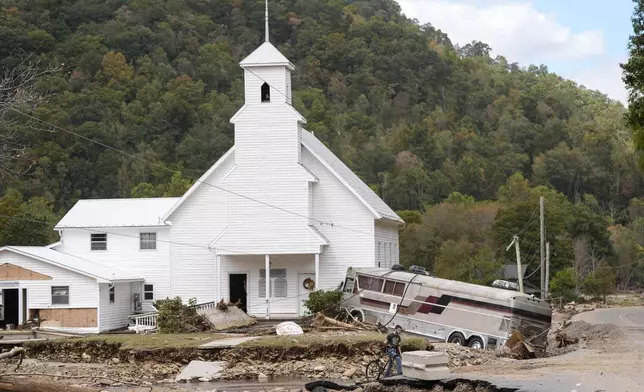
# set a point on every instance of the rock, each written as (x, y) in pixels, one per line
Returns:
(204, 379)
(261, 377)
(116, 360)
(86, 357)
(319, 368)
(349, 372)
(166, 381)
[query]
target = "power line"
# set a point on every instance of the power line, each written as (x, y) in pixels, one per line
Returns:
(97, 231)
(162, 167)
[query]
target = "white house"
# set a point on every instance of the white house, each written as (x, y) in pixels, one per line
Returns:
(278, 206)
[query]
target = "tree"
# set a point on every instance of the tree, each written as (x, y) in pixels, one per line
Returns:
(18, 94)
(563, 284)
(633, 76)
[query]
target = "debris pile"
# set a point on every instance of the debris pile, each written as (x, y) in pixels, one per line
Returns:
(460, 356)
(580, 334)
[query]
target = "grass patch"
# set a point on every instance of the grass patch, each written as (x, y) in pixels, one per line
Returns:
(132, 341)
(408, 343)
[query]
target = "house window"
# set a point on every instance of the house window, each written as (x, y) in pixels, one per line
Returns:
(60, 295)
(148, 292)
(394, 288)
(278, 284)
(369, 283)
(148, 241)
(266, 92)
(99, 241)
(112, 294)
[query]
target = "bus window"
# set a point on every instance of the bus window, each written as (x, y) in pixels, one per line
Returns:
(369, 283)
(394, 288)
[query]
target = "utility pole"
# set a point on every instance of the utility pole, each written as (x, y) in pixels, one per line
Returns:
(543, 236)
(547, 270)
(515, 241)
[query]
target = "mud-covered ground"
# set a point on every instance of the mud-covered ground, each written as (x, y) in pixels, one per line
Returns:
(603, 354)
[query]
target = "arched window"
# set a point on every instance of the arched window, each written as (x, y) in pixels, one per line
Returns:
(266, 92)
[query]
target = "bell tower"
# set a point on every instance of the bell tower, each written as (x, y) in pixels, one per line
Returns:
(267, 74)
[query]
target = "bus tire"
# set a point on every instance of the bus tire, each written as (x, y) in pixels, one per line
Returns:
(457, 338)
(358, 315)
(475, 342)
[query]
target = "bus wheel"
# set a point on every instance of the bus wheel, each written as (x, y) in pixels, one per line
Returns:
(358, 316)
(475, 342)
(457, 338)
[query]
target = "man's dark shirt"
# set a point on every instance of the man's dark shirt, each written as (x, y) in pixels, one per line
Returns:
(393, 340)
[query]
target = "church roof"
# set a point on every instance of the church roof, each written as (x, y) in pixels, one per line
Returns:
(361, 190)
(266, 55)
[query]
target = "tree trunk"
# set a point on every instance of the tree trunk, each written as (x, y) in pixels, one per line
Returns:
(12, 384)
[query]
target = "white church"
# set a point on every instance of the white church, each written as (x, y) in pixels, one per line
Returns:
(275, 217)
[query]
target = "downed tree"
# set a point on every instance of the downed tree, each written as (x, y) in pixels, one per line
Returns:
(322, 319)
(13, 384)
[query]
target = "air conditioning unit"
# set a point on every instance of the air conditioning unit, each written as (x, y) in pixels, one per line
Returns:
(136, 302)
(504, 284)
(416, 269)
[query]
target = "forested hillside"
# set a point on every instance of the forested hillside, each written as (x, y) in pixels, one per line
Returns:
(461, 143)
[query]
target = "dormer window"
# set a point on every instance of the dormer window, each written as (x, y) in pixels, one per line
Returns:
(266, 92)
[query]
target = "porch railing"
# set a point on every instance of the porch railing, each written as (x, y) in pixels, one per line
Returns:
(201, 308)
(148, 321)
(143, 321)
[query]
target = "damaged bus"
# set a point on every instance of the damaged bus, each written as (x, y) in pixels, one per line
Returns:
(445, 310)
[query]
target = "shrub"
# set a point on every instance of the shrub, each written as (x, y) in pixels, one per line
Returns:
(327, 302)
(600, 283)
(563, 284)
(175, 317)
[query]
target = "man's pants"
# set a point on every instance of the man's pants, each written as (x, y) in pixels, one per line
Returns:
(392, 353)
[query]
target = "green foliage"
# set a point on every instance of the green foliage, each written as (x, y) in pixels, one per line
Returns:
(600, 283)
(327, 302)
(462, 142)
(634, 77)
(20, 220)
(175, 317)
(563, 284)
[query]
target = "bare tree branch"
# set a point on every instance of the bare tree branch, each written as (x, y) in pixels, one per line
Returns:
(18, 92)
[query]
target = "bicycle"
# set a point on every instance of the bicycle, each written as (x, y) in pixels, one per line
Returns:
(376, 368)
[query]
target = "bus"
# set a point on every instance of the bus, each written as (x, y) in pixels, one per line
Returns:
(444, 310)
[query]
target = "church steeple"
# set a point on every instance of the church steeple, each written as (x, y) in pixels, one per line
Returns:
(267, 73)
(266, 20)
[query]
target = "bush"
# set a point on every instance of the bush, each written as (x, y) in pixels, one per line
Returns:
(327, 302)
(600, 283)
(175, 317)
(563, 284)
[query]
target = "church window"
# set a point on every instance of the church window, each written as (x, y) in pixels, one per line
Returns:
(266, 92)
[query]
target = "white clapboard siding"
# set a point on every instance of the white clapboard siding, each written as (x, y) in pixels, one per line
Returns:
(279, 78)
(386, 247)
(334, 203)
(124, 253)
(83, 290)
(198, 221)
(251, 265)
(272, 215)
(114, 315)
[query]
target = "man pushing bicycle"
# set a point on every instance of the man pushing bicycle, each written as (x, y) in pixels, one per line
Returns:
(393, 351)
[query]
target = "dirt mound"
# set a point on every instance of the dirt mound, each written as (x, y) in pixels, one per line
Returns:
(593, 333)
(580, 334)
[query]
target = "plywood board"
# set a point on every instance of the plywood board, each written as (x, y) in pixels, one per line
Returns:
(13, 272)
(68, 318)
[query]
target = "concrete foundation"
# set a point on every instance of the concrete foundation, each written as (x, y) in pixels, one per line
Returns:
(425, 365)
